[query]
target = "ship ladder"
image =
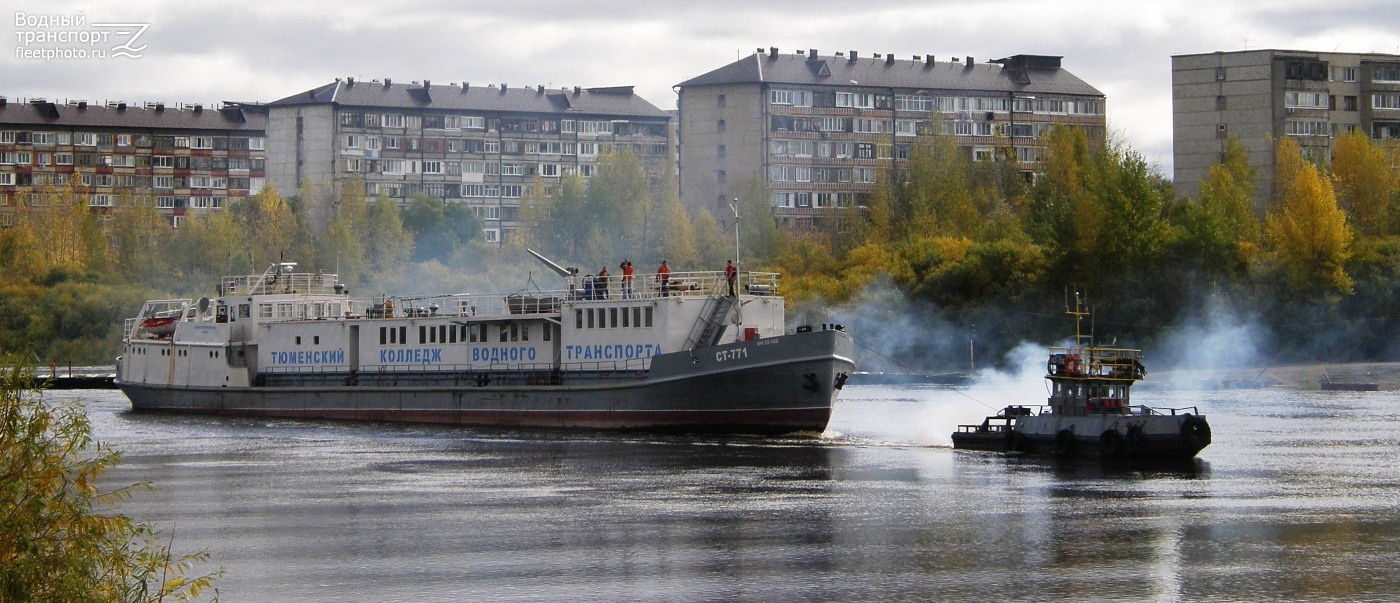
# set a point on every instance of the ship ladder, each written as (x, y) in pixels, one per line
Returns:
(710, 326)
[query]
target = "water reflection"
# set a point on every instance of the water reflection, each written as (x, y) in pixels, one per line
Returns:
(1296, 500)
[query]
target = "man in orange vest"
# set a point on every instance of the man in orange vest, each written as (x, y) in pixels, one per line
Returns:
(626, 279)
(664, 275)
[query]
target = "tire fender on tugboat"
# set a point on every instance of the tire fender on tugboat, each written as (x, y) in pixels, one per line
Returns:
(1065, 443)
(1110, 443)
(1195, 430)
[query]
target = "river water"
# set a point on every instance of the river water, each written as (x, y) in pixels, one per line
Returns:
(1297, 499)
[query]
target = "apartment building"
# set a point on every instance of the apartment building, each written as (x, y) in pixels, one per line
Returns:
(187, 158)
(1260, 96)
(462, 143)
(817, 129)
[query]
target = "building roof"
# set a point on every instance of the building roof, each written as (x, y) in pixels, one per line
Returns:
(1030, 74)
(612, 101)
(78, 114)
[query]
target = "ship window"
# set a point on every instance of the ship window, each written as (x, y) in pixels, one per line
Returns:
(548, 328)
(612, 317)
(578, 318)
(316, 340)
(637, 317)
(505, 334)
(514, 332)
(243, 310)
(403, 334)
(452, 334)
(648, 317)
(442, 333)
(264, 310)
(422, 334)
(524, 332)
(298, 339)
(626, 312)
(590, 318)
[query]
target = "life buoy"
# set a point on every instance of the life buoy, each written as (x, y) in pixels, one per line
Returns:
(1065, 443)
(1110, 443)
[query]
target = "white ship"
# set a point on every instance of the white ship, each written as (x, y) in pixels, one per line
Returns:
(689, 357)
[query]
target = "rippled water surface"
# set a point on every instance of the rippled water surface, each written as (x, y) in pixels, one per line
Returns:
(1297, 499)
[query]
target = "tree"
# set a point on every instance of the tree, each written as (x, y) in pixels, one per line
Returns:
(1366, 182)
(1221, 228)
(1310, 236)
(270, 226)
(387, 244)
(56, 544)
(617, 204)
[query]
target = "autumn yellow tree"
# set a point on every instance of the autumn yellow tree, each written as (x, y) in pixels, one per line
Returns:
(269, 223)
(1366, 182)
(1309, 235)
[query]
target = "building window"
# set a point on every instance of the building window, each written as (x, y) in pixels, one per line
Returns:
(719, 101)
(1221, 103)
(1385, 73)
(1349, 103)
(719, 126)
(719, 152)
(1219, 74)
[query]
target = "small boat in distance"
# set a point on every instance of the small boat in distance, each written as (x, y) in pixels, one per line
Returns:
(1090, 411)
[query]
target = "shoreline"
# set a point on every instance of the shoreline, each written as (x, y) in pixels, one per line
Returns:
(1386, 376)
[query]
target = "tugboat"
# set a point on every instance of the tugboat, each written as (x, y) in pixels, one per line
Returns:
(1090, 411)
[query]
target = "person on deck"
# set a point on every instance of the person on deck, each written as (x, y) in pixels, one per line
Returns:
(731, 275)
(626, 279)
(603, 283)
(664, 275)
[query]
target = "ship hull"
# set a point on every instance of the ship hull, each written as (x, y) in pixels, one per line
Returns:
(1104, 437)
(768, 386)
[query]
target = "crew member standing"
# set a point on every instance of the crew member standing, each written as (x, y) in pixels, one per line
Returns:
(627, 279)
(731, 274)
(664, 275)
(603, 283)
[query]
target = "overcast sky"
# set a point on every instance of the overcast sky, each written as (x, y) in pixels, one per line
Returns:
(261, 51)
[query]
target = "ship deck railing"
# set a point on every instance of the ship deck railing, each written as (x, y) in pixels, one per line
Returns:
(583, 289)
(1134, 410)
(273, 282)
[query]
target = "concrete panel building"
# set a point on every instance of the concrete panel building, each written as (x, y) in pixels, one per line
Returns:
(817, 129)
(1259, 96)
(184, 158)
(462, 143)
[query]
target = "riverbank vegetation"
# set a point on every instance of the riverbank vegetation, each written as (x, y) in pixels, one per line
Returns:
(972, 246)
(59, 537)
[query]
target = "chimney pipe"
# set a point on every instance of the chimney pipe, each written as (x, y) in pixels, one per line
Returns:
(387, 81)
(889, 59)
(812, 54)
(773, 51)
(853, 56)
(928, 60)
(349, 81)
(969, 61)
